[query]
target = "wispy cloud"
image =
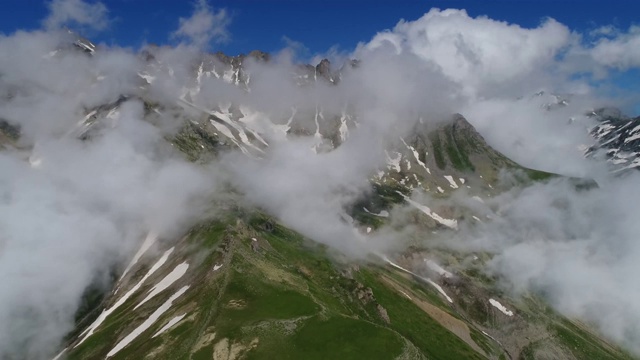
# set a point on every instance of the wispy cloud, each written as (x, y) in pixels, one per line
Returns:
(92, 15)
(205, 25)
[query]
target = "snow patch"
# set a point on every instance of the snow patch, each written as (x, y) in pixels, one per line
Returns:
(500, 307)
(146, 244)
(344, 129)
(227, 76)
(223, 129)
(124, 298)
(256, 122)
(631, 138)
(172, 277)
(49, 56)
(452, 182)
(416, 156)
(634, 163)
(114, 115)
(225, 117)
(438, 269)
(396, 265)
(169, 324)
(383, 213)
(427, 280)
(35, 161)
(450, 223)
(147, 77)
(439, 288)
(147, 323)
(477, 198)
(405, 294)
(59, 356)
(394, 163)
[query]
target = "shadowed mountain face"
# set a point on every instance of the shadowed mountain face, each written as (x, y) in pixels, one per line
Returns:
(243, 284)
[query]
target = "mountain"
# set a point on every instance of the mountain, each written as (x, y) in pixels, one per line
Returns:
(242, 285)
(248, 287)
(618, 139)
(616, 136)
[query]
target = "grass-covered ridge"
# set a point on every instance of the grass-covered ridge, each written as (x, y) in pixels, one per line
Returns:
(284, 298)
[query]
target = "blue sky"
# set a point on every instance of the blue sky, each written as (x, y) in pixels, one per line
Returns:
(319, 25)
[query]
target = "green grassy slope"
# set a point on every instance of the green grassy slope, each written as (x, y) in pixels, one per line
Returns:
(286, 300)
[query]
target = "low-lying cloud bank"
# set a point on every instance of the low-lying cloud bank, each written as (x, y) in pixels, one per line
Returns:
(70, 210)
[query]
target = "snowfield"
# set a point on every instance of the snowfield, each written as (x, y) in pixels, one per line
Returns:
(500, 307)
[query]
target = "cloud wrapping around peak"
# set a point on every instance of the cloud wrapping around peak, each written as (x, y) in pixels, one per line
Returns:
(92, 15)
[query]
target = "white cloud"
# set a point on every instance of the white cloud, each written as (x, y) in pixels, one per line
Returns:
(620, 52)
(478, 53)
(605, 30)
(204, 25)
(490, 58)
(93, 15)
